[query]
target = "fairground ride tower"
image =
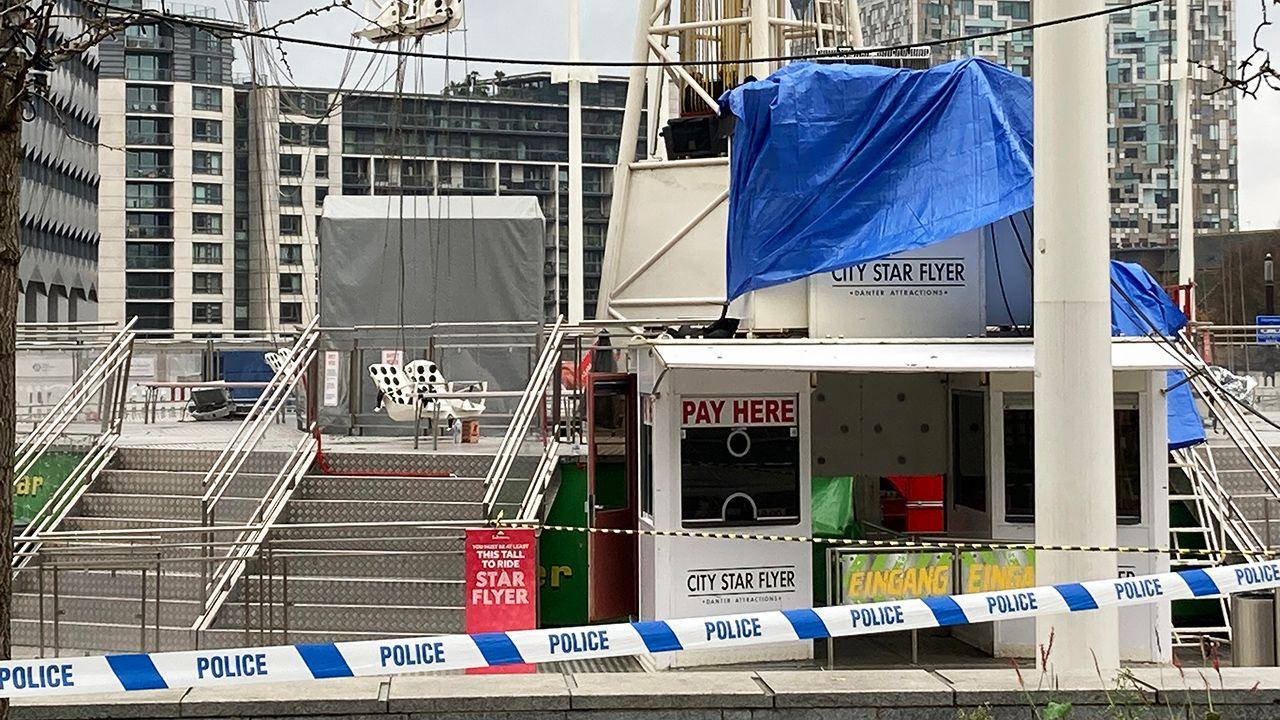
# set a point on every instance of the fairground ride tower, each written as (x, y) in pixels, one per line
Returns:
(665, 250)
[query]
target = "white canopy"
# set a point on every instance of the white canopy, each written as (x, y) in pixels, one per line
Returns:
(888, 355)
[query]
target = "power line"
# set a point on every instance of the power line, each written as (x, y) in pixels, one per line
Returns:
(221, 28)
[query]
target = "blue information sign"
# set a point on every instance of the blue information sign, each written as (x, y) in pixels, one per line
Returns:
(1268, 328)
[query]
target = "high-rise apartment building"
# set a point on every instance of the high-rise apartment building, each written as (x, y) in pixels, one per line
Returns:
(166, 102)
(1143, 133)
(58, 216)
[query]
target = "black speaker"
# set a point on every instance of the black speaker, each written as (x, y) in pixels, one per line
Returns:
(696, 136)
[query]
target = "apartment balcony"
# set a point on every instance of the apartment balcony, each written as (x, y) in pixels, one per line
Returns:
(148, 42)
(148, 74)
(148, 231)
(149, 203)
(156, 107)
(141, 138)
(150, 172)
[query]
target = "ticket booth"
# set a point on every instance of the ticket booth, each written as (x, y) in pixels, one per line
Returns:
(733, 432)
(727, 452)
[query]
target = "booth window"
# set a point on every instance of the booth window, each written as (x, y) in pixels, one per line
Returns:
(732, 476)
(969, 450)
(1019, 465)
(646, 464)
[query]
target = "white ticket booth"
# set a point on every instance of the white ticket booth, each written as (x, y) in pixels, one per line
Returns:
(733, 432)
(726, 452)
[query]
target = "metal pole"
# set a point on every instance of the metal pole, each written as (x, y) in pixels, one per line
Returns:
(57, 612)
(1074, 435)
(284, 597)
(760, 32)
(1269, 284)
(576, 294)
(142, 613)
(1186, 165)
(40, 594)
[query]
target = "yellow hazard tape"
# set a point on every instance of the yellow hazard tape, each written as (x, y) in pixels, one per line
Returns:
(897, 544)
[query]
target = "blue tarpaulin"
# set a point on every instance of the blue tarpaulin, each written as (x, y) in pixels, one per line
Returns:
(245, 366)
(1140, 307)
(835, 165)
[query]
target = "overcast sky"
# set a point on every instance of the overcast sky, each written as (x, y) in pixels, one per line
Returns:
(535, 29)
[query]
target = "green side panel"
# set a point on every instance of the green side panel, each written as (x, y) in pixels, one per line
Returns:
(35, 488)
(562, 554)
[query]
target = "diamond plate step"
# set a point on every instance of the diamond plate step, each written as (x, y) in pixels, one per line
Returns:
(333, 620)
(82, 637)
(114, 610)
(346, 591)
(447, 565)
(333, 487)
(336, 511)
(189, 460)
(107, 584)
(160, 507)
(171, 482)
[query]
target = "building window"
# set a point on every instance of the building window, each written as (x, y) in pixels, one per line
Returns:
(206, 41)
(204, 162)
(148, 256)
(147, 99)
(969, 450)
(144, 66)
(206, 69)
(206, 283)
(206, 223)
(148, 286)
(291, 165)
(148, 163)
(322, 166)
(144, 195)
(206, 253)
(291, 195)
(290, 312)
(290, 254)
(147, 131)
(290, 284)
(204, 313)
(1019, 465)
(765, 456)
(209, 131)
(203, 98)
(290, 224)
(291, 134)
(151, 315)
(148, 225)
(206, 194)
(322, 191)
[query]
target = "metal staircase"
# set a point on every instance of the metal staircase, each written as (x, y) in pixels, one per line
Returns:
(1232, 491)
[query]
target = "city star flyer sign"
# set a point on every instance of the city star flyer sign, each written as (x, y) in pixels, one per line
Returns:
(53, 677)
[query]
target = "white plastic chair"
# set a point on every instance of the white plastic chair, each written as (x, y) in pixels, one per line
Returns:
(398, 399)
(428, 380)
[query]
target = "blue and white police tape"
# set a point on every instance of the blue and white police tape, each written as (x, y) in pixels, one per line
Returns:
(116, 673)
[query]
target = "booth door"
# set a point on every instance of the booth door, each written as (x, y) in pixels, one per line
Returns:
(611, 486)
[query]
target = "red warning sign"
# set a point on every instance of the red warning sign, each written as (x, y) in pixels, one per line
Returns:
(501, 577)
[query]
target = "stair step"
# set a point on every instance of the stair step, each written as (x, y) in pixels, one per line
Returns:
(109, 584)
(366, 488)
(111, 610)
(324, 511)
(333, 620)
(161, 507)
(353, 591)
(429, 565)
(191, 460)
(172, 482)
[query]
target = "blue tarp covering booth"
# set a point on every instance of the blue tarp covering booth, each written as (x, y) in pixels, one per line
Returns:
(835, 165)
(1139, 308)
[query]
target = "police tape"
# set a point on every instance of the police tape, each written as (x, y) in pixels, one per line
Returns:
(922, 544)
(204, 668)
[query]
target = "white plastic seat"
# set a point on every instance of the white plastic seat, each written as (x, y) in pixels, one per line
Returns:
(429, 382)
(398, 398)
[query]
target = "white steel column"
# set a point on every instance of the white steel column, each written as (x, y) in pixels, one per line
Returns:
(1075, 496)
(575, 172)
(760, 34)
(1186, 165)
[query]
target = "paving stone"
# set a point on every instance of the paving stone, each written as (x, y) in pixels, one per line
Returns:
(857, 688)
(477, 693)
(340, 696)
(667, 690)
(1002, 688)
(139, 704)
(1235, 685)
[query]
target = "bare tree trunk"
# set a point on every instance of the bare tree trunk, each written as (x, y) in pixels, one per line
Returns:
(12, 80)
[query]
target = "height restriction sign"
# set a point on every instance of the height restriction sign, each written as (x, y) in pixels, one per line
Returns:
(501, 580)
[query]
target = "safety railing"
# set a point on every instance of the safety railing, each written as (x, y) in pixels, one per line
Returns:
(108, 373)
(235, 454)
(248, 542)
(64, 498)
(530, 406)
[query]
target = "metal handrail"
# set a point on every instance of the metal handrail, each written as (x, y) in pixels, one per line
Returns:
(235, 452)
(531, 505)
(530, 404)
(112, 362)
(250, 540)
